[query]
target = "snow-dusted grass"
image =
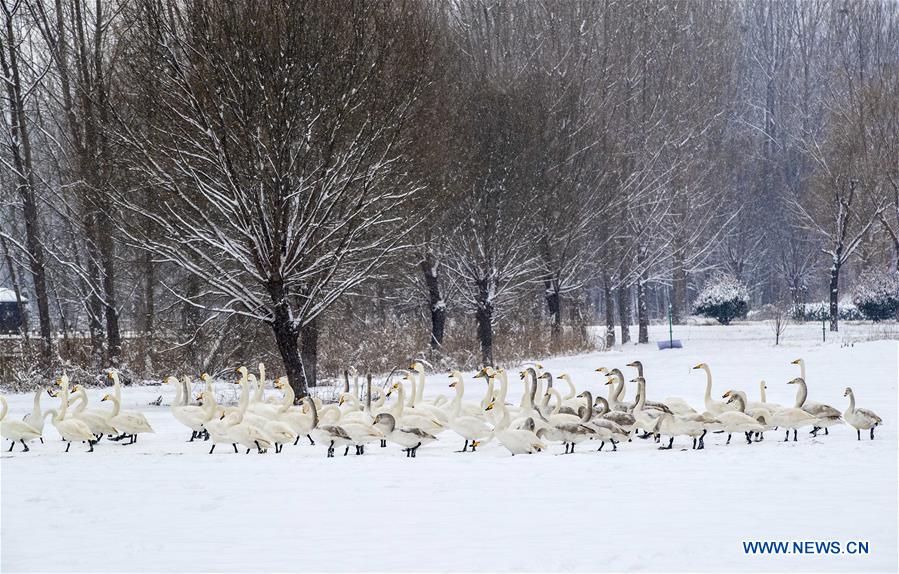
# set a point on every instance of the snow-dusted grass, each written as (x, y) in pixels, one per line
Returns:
(165, 505)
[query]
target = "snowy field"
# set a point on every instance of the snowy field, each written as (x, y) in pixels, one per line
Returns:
(166, 505)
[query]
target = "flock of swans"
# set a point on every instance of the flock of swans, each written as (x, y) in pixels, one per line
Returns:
(543, 416)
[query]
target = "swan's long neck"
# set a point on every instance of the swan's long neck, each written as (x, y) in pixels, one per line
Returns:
(741, 403)
(851, 402)
(619, 390)
(81, 396)
(802, 369)
(36, 409)
(571, 389)
(503, 387)
(412, 392)
(505, 420)
(588, 412)
(315, 420)
(613, 395)
(708, 384)
(115, 405)
(558, 397)
(244, 397)
(259, 395)
(368, 396)
(420, 393)
(641, 395)
(400, 399)
(762, 391)
(179, 394)
(488, 396)
(801, 393)
(3, 408)
(289, 398)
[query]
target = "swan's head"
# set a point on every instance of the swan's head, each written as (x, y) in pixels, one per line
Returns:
(112, 375)
(847, 392)
(279, 383)
(602, 370)
(489, 407)
(417, 367)
(63, 381)
(734, 397)
(261, 368)
(205, 377)
(353, 371)
(456, 376)
(763, 384)
(796, 381)
(242, 371)
(528, 424)
(728, 394)
(565, 377)
(106, 398)
(796, 362)
(611, 380)
(394, 387)
(700, 366)
(53, 392)
(545, 375)
(170, 381)
(635, 364)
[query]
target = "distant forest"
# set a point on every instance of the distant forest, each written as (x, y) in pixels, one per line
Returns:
(188, 185)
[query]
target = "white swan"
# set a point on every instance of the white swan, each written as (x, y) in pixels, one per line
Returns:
(36, 417)
(96, 419)
(860, 419)
(516, 441)
(738, 421)
(16, 431)
(468, 427)
(671, 425)
(605, 429)
(216, 427)
(69, 429)
(191, 416)
(827, 415)
(792, 419)
(712, 406)
(129, 423)
(411, 438)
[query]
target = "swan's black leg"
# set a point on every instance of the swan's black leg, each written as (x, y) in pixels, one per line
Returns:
(331, 450)
(858, 433)
(361, 449)
(728, 439)
(415, 450)
(193, 435)
(11, 444)
(474, 445)
(26, 446)
(346, 451)
(670, 444)
(296, 441)
(787, 438)
(748, 438)
(465, 448)
(601, 444)
(826, 432)
(68, 444)
(312, 442)
(614, 445)
(212, 449)
(248, 451)
(42, 439)
(702, 439)
(794, 435)
(383, 443)
(814, 431)
(872, 433)
(91, 445)
(234, 444)
(205, 434)
(694, 443)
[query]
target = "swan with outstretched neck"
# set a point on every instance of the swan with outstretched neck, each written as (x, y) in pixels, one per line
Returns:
(860, 419)
(16, 431)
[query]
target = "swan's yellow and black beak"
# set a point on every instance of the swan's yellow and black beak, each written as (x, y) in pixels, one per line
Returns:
(109, 376)
(105, 398)
(699, 366)
(453, 384)
(489, 407)
(795, 361)
(341, 401)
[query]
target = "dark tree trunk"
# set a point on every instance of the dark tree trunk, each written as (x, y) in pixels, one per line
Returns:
(149, 309)
(610, 312)
(309, 339)
(286, 337)
(431, 271)
(679, 295)
(642, 313)
(624, 312)
(485, 324)
(835, 296)
(110, 306)
(553, 297)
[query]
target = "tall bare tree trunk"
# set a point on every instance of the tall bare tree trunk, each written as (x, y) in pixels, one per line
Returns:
(430, 269)
(624, 312)
(22, 161)
(484, 316)
(309, 351)
(642, 312)
(610, 311)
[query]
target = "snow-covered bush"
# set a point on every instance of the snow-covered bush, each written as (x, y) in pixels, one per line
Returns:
(820, 311)
(725, 298)
(877, 294)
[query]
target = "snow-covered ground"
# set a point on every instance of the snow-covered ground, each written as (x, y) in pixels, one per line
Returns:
(165, 505)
